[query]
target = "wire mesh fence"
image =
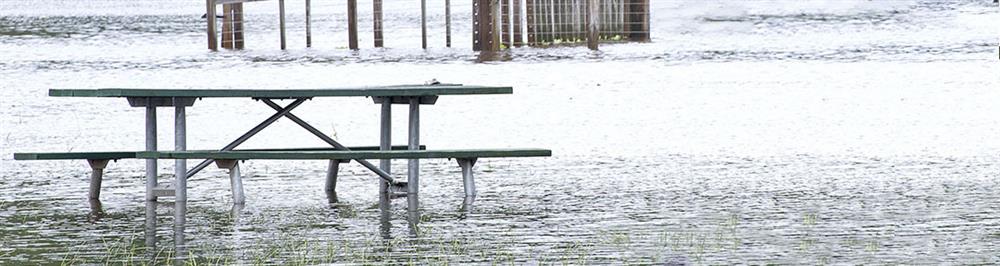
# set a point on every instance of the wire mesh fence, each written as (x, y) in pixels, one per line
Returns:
(232, 26)
(506, 23)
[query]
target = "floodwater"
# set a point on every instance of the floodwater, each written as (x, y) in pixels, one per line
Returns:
(788, 132)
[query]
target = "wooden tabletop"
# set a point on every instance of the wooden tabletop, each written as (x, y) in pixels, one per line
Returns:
(401, 90)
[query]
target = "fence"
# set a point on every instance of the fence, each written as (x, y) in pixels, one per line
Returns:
(500, 24)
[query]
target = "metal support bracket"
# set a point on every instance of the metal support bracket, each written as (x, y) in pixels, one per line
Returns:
(385, 176)
(427, 100)
(267, 122)
(161, 101)
(165, 190)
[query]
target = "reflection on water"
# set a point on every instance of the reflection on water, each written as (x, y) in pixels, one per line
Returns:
(814, 132)
(150, 222)
(96, 210)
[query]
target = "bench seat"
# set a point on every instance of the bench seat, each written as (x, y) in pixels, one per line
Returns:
(116, 155)
(228, 159)
(99, 160)
(466, 160)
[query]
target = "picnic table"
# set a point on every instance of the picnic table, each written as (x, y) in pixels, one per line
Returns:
(228, 157)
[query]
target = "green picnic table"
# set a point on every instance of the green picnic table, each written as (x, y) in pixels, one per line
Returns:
(227, 157)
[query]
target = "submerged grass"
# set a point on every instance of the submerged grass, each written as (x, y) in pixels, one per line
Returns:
(430, 248)
(290, 251)
(686, 245)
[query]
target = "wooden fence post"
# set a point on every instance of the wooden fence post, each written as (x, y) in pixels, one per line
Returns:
(423, 24)
(238, 26)
(447, 23)
(518, 30)
(482, 25)
(377, 21)
(352, 24)
(592, 27)
(529, 17)
(210, 17)
(281, 22)
(308, 26)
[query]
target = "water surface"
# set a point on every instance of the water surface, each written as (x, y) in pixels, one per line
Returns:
(814, 132)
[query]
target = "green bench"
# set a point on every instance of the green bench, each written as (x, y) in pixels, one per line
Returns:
(229, 160)
(98, 161)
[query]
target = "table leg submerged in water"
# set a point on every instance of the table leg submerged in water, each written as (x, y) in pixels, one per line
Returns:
(180, 178)
(470, 184)
(151, 182)
(385, 144)
(413, 165)
(150, 229)
(331, 180)
(413, 169)
(96, 176)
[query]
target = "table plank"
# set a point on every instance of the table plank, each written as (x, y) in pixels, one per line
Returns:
(345, 155)
(402, 90)
(111, 155)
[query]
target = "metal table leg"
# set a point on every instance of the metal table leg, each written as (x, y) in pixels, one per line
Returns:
(385, 144)
(96, 176)
(413, 167)
(468, 180)
(151, 182)
(180, 178)
(235, 179)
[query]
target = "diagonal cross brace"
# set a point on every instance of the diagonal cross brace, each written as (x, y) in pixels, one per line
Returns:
(267, 122)
(327, 139)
